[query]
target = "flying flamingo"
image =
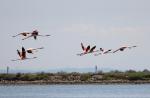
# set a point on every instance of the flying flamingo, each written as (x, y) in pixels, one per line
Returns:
(22, 55)
(34, 34)
(87, 50)
(102, 51)
(123, 48)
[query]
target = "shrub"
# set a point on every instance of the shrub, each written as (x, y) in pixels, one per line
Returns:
(85, 77)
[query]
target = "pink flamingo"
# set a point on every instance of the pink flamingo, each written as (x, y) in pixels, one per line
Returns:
(34, 34)
(87, 50)
(123, 48)
(22, 55)
(102, 51)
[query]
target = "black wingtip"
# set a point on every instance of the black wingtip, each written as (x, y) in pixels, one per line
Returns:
(23, 49)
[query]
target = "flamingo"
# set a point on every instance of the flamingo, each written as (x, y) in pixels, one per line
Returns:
(22, 55)
(87, 50)
(102, 51)
(34, 34)
(123, 48)
(32, 50)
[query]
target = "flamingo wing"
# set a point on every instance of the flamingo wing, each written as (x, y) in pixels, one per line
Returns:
(18, 53)
(83, 48)
(29, 51)
(23, 52)
(16, 35)
(40, 48)
(92, 49)
(88, 48)
(132, 47)
(25, 33)
(35, 48)
(116, 50)
(108, 51)
(23, 49)
(47, 35)
(122, 48)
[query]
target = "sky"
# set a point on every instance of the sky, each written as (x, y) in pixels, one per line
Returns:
(109, 24)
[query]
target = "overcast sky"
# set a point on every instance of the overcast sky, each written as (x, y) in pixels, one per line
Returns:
(109, 24)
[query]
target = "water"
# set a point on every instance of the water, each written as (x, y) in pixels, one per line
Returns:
(75, 91)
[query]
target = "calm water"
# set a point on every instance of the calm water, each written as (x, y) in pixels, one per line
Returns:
(75, 91)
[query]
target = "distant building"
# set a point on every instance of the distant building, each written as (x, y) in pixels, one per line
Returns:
(7, 70)
(95, 69)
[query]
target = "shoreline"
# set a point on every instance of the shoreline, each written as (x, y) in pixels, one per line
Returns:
(113, 77)
(71, 82)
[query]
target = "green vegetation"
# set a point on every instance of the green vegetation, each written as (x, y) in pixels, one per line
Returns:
(128, 75)
(85, 76)
(76, 77)
(24, 77)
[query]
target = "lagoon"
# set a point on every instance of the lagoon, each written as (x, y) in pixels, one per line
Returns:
(76, 91)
